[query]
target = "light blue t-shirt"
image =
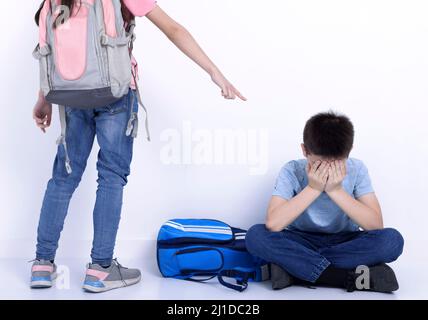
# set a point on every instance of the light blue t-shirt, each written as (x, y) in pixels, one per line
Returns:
(323, 215)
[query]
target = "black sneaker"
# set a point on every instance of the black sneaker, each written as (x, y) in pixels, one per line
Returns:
(382, 279)
(280, 278)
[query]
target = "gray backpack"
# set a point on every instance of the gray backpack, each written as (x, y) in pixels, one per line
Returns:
(86, 61)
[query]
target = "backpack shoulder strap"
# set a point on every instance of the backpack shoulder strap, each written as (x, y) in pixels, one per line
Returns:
(43, 22)
(109, 16)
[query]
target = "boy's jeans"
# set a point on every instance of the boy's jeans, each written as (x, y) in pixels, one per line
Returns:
(306, 255)
(109, 124)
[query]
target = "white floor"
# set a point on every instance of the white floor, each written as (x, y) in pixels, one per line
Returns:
(15, 276)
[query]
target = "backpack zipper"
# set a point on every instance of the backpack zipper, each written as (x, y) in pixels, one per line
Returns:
(48, 74)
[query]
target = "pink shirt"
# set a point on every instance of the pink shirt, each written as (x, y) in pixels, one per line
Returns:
(138, 8)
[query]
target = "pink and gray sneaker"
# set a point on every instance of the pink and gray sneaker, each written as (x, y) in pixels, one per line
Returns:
(43, 273)
(100, 279)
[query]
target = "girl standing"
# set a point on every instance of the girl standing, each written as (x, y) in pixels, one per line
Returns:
(109, 123)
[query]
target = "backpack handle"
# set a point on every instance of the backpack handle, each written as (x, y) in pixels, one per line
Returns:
(241, 284)
(202, 279)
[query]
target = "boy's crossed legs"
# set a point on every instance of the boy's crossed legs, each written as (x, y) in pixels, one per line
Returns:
(326, 259)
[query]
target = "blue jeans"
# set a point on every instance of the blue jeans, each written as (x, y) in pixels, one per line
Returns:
(306, 255)
(109, 124)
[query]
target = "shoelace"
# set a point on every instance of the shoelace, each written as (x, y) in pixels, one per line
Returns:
(119, 266)
(34, 260)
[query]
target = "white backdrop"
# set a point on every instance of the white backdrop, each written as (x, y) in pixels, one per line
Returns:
(366, 58)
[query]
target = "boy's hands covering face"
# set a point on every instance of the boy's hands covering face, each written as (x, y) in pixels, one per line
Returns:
(318, 175)
(336, 175)
(326, 176)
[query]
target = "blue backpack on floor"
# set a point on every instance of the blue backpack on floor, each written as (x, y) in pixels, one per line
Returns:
(202, 249)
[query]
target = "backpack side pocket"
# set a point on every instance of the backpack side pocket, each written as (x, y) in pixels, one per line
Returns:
(42, 54)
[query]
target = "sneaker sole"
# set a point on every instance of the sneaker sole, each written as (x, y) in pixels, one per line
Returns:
(39, 283)
(103, 286)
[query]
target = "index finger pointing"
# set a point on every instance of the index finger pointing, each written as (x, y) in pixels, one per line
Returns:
(240, 96)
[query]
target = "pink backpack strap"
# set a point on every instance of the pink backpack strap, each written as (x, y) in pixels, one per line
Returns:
(109, 18)
(43, 23)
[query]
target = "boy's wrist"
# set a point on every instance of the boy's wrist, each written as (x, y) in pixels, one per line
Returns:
(335, 191)
(313, 191)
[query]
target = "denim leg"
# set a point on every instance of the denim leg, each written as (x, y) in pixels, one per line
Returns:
(364, 248)
(60, 188)
(291, 250)
(113, 165)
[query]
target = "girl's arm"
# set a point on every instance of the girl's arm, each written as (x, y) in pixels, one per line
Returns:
(187, 44)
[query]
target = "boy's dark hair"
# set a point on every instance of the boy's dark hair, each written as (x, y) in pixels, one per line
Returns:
(329, 134)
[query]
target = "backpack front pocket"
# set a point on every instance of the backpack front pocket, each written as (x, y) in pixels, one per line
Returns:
(118, 62)
(194, 261)
(71, 45)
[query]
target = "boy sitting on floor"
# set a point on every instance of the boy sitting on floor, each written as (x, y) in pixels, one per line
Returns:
(319, 205)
